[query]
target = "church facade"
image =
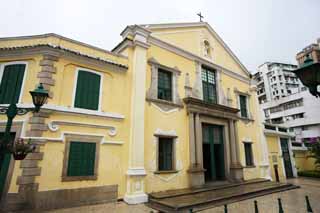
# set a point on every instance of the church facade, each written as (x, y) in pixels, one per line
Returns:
(170, 107)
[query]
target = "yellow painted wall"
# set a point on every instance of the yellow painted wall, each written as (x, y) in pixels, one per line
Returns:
(113, 160)
(176, 121)
(303, 163)
(274, 150)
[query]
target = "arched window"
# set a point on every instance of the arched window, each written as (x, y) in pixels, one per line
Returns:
(88, 86)
(207, 48)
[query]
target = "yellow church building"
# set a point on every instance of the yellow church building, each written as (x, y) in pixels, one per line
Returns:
(170, 107)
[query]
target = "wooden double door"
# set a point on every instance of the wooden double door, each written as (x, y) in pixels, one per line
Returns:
(213, 152)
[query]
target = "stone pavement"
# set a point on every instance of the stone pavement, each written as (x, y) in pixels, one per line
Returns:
(293, 201)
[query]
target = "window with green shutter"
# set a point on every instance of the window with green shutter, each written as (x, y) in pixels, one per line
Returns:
(243, 106)
(248, 154)
(209, 85)
(81, 160)
(164, 85)
(11, 83)
(87, 90)
(165, 154)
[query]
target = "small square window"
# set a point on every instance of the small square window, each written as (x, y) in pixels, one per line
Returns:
(165, 159)
(248, 154)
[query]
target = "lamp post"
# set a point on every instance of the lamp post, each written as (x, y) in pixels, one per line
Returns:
(309, 75)
(39, 97)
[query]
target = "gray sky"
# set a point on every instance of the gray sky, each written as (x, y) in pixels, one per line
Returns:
(256, 31)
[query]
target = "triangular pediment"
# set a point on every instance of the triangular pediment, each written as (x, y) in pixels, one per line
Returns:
(200, 39)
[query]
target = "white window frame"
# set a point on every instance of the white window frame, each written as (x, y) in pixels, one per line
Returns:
(217, 81)
(174, 155)
(75, 88)
(252, 153)
(3, 65)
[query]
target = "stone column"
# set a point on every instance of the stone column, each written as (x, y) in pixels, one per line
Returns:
(135, 174)
(236, 169)
(196, 160)
(192, 145)
(198, 132)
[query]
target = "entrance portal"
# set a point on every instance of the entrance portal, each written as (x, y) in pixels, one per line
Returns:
(213, 152)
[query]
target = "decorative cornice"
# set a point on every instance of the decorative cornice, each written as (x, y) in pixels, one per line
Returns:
(237, 91)
(62, 38)
(57, 51)
(62, 109)
(153, 61)
(215, 110)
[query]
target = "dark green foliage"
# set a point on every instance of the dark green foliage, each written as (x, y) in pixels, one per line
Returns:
(314, 149)
(314, 174)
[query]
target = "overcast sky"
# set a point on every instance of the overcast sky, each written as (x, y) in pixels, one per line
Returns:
(255, 30)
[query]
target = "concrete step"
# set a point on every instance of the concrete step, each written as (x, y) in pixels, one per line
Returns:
(216, 197)
(206, 187)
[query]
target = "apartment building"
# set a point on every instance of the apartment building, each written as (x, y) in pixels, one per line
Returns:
(312, 51)
(276, 80)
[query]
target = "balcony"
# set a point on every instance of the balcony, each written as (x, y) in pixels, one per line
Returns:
(270, 129)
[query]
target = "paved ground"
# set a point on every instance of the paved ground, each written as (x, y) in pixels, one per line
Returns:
(293, 201)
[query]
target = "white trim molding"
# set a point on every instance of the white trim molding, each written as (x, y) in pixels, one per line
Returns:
(61, 139)
(71, 110)
(54, 126)
(137, 171)
(112, 142)
(170, 133)
(136, 198)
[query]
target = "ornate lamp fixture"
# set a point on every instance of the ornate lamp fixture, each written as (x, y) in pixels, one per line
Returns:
(18, 148)
(309, 74)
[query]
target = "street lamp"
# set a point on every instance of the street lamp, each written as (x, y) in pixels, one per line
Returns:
(309, 74)
(39, 97)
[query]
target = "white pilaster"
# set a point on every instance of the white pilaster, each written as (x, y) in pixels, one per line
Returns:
(135, 175)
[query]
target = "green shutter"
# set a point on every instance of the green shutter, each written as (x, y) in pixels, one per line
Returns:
(11, 83)
(81, 159)
(164, 85)
(87, 91)
(243, 106)
(4, 163)
(209, 85)
(165, 154)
